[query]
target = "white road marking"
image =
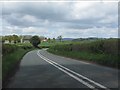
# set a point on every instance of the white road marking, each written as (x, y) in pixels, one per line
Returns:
(101, 86)
(65, 70)
(71, 75)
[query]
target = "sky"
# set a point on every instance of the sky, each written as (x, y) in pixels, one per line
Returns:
(50, 19)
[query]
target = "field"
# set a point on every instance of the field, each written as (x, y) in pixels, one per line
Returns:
(49, 44)
(104, 52)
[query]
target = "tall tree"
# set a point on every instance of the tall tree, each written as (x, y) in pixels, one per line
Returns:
(59, 38)
(16, 38)
(35, 41)
(10, 38)
(49, 40)
(53, 39)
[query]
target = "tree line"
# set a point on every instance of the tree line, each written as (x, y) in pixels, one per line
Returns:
(11, 38)
(17, 39)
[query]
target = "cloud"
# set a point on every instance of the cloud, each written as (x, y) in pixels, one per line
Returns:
(79, 19)
(29, 18)
(35, 31)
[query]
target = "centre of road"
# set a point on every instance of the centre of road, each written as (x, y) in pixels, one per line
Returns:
(80, 78)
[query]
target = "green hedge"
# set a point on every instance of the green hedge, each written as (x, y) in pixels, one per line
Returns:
(12, 55)
(10, 48)
(101, 51)
(109, 46)
(7, 48)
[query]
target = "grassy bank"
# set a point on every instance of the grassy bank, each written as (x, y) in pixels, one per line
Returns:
(104, 52)
(12, 55)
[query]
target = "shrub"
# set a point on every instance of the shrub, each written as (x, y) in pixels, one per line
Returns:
(103, 52)
(7, 48)
(109, 46)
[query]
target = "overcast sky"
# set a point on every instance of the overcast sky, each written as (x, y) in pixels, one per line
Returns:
(51, 19)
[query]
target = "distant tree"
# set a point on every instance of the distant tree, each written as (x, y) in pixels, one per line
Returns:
(53, 39)
(49, 40)
(10, 38)
(35, 40)
(16, 38)
(59, 38)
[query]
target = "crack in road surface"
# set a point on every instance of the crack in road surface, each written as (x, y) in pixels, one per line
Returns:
(80, 78)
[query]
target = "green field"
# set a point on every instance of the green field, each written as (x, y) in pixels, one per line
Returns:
(54, 43)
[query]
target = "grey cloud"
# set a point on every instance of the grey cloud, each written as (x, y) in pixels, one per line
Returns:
(57, 15)
(47, 11)
(50, 12)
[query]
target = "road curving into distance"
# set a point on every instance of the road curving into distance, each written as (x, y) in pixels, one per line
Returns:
(40, 69)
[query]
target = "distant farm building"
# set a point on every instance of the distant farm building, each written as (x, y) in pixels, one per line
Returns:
(26, 39)
(43, 39)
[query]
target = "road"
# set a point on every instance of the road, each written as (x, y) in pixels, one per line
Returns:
(40, 69)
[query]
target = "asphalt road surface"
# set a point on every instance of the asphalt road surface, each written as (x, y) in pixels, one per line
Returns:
(40, 69)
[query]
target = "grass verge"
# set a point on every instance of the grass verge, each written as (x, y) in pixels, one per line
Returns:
(102, 59)
(10, 63)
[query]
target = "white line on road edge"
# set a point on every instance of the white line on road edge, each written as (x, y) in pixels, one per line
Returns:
(101, 86)
(70, 74)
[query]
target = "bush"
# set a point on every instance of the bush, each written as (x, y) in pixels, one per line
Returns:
(109, 46)
(7, 48)
(97, 47)
(104, 52)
